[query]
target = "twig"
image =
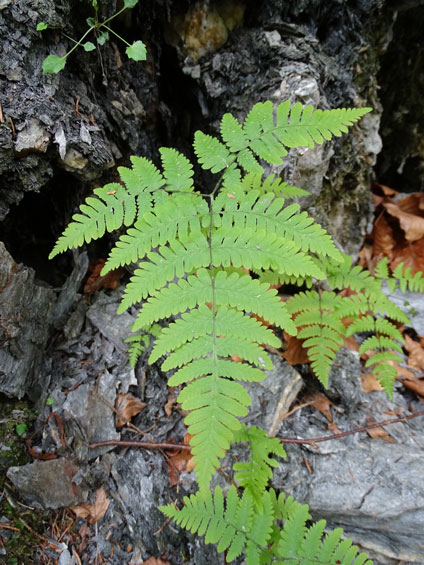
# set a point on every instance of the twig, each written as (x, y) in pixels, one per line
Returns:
(145, 444)
(310, 441)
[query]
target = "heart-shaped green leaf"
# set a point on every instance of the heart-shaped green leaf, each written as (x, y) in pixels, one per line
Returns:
(88, 46)
(130, 3)
(41, 26)
(137, 51)
(53, 64)
(103, 37)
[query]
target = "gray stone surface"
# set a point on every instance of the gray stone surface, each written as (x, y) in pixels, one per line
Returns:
(26, 309)
(48, 484)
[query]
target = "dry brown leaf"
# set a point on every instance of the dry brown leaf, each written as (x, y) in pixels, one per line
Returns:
(416, 353)
(127, 406)
(383, 238)
(172, 400)
(95, 281)
(155, 561)
(412, 225)
(415, 384)
(412, 204)
(295, 354)
(321, 403)
(332, 427)
(369, 383)
(94, 512)
(179, 462)
(380, 433)
(351, 343)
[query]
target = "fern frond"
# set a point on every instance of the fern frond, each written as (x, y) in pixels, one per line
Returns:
(268, 213)
(408, 281)
(300, 545)
(137, 344)
(172, 219)
(199, 322)
(113, 207)
(177, 170)
(230, 523)
(318, 317)
(233, 290)
(253, 475)
(211, 153)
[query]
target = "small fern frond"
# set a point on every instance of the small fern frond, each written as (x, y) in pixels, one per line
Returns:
(172, 219)
(137, 344)
(300, 545)
(177, 170)
(408, 281)
(230, 523)
(113, 207)
(254, 211)
(254, 474)
(199, 322)
(318, 317)
(234, 290)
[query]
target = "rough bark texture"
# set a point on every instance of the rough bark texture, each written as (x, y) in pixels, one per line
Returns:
(63, 135)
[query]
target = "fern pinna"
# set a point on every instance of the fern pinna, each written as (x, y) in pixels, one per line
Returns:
(195, 251)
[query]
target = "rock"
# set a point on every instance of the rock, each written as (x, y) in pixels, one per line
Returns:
(48, 484)
(26, 310)
(31, 137)
(89, 417)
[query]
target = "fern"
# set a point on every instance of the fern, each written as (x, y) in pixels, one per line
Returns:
(254, 475)
(236, 526)
(193, 255)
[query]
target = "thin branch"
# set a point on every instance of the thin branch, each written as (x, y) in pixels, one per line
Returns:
(312, 441)
(308, 441)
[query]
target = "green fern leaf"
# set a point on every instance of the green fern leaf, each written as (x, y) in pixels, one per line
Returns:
(234, 290)
(253, 475)
(211, 153)
(112, 208)
(199, 322)
(177, 169)
(174, 218)
(234, 528)
(232, 133)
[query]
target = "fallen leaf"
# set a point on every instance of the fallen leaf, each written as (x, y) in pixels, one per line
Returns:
(383, 239)
(416, 353)
(179, 462)
(94, 512)
(332, 427)
(380, 433)
(415, 384)
(127, 406)
(321, 403)
(172, 400)
(295, 353)
(369, 383)
(379, 188)
(411, 224)
(95, 281)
